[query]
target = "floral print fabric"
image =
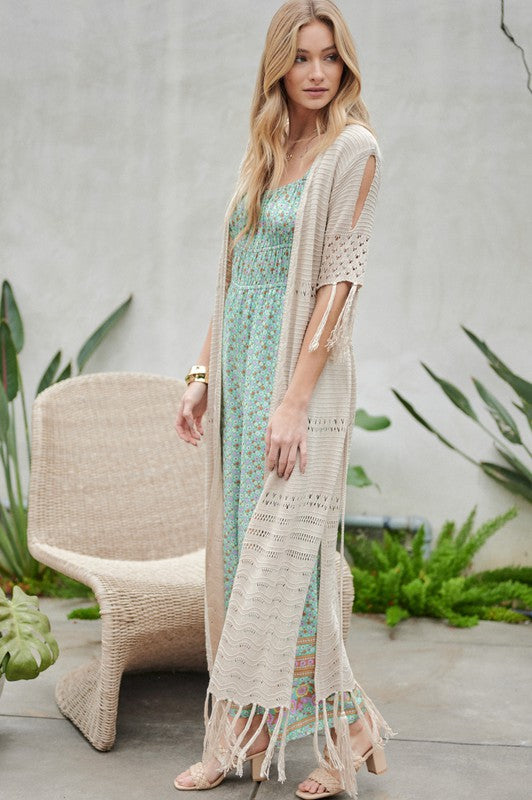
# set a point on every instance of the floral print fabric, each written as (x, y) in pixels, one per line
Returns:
(252, 325)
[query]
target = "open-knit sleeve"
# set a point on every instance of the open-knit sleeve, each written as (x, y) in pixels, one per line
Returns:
(349, 226)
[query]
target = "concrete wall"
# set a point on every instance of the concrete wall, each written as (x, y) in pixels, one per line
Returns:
(122, 127)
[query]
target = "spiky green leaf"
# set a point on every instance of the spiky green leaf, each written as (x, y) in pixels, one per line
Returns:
(453, 393)
(99, 334)
(8, 362)
(511, 480)
(66, 373)
(503, 419)
(11, 315)
(410, 408)
(4, 414)
(522, 387)
(49, 373)
(515, 463)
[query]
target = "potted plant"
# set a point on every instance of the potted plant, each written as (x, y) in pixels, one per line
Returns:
(27, 646)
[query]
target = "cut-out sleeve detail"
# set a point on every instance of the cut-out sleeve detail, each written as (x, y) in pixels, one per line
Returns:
(345, 249)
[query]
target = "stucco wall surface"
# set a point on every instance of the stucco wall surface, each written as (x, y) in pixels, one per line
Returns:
(123, 123)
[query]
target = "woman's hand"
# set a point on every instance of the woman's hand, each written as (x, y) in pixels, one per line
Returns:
(285, 435)
(191, 410)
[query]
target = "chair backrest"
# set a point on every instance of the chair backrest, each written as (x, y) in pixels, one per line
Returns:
(109, 474)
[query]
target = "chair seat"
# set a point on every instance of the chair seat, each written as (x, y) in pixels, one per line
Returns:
(182, 571)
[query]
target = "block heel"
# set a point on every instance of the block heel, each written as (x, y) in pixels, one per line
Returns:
(376, 761)
(256, 764)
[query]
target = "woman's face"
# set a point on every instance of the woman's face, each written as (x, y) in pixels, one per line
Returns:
(317, 66)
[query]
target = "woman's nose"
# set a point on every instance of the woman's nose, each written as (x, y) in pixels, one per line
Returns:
(316, 69)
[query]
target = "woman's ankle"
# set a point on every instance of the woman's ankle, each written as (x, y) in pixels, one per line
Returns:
(357, 729)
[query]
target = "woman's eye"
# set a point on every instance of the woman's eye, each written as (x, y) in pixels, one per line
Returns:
(332, 57)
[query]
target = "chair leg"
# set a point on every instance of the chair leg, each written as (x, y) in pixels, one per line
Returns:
(88, 697)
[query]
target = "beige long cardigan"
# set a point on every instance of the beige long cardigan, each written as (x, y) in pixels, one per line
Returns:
(251, 649)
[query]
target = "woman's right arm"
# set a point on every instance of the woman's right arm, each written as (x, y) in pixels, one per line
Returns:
(194, 400)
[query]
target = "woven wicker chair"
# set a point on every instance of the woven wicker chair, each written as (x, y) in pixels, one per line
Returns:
(116, 501)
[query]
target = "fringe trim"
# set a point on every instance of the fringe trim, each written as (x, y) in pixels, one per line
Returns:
(341, 333)
(341, 755)
(222, 743)
(319, 330)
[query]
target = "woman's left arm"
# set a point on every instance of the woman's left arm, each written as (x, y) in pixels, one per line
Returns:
(286, 433)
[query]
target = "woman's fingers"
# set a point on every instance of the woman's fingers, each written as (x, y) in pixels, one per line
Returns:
(286, 434)
(303, 454)
(185, 426)
(270, 458)
(290, 461)
(192, 406)
(189, 416)
(285, 456)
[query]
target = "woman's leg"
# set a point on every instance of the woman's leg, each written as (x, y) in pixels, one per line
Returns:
(360, 739)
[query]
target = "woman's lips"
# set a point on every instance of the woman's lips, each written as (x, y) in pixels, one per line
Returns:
(315, 92)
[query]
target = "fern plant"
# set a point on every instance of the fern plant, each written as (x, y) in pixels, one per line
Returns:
(402, 582)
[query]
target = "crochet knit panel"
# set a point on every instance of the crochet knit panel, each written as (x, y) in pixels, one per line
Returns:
(344, 257)
(346, 245)
(271, 583)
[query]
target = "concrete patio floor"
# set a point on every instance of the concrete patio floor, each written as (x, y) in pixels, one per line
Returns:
(459, 700)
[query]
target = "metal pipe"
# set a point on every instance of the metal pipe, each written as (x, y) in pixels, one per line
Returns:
(411, 523)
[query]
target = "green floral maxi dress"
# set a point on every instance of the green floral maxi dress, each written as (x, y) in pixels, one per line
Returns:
(251, 330)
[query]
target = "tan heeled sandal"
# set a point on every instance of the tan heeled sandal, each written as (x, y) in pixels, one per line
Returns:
(197, 771)
(374, 759)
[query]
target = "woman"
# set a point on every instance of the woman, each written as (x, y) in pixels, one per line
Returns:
(276, 382)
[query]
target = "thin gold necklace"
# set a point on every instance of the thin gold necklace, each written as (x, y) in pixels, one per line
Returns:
(288, 156)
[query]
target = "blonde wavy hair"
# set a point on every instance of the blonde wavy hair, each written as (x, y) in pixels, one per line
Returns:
(264, 159)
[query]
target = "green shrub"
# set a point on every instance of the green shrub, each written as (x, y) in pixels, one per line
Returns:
(399, 581)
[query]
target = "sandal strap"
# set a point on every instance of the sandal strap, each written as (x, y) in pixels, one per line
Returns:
(327, 778)
(197, 771)
(358, 759)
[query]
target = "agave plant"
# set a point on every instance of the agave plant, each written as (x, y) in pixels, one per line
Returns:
(356, 475)
(517, 477)
(24, 631)
(15, 559)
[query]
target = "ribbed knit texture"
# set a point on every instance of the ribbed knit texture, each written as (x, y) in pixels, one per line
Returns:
(251, 648)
